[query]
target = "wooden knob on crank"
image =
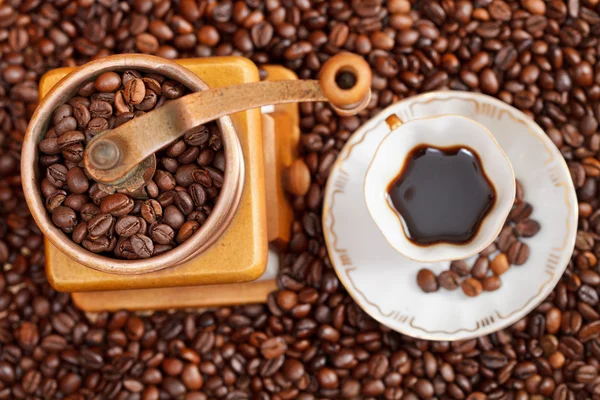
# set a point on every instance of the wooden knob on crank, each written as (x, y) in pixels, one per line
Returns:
(296, 179)
(346, 82)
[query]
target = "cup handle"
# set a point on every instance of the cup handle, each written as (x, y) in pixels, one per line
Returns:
(393, 121)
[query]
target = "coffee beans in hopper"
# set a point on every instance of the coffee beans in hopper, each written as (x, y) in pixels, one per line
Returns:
(187, 181)
(538, 55)
(509, 248)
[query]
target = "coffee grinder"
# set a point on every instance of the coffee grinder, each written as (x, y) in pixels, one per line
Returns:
(234, 258)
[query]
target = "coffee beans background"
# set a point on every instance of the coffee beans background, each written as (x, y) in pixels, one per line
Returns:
(185, 186)
(310, 340)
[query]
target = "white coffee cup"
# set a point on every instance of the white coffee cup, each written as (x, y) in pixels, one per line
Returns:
(441, 132)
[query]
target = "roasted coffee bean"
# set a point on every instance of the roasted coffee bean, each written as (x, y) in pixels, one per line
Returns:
(184, 202)
(152, 83)
(494, 359)
(64, 217)
(142, 245)
(198, 194)
(106, 97)
(164, 180)
(293, 370)
(77, 181)
(588, 295)
(76, 201)
(96, 125)
(121, 107)
(206, 157)
(99, 225)
(589, 277)
(506, 238)
(491, 249)
(449, 280)
(62, 111)
(471, 287)
(134, 91)
(73, 153)
(161, 249)
(273, 347)
(198, 216)
(96, 245)
(80, 232)
(123, 249)
(88, 211)
(166, 198)
(49, 146)
(216, 176)
(197, 136)
(129, 75)
(176, 149)
(173, 217)
(108, 82)
(149, 102)
(500, 10)
(491, 283)
(518, 253)
(127, 226)
(527, 227)
(187, 230)
(480, 268)
(55, 200)
(169, 164)
(201, 176)
(69, 138)
(124, 117)
(162, 233)
(189, 155)
(184, 176)
(151, 211)
(65, 125)
(57, 175)
(520, 211)
(100, 109)
(586, 373)
(460, 267)
(427, 281)
(151, 189)
(500, 264)
(117, 204)
(172, 89)
(589, 332)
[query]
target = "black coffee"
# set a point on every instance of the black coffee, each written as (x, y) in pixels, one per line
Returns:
(441, 194)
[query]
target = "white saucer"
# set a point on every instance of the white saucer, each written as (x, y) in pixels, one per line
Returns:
(383, 282)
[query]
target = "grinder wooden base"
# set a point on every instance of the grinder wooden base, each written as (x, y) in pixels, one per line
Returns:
(171, 298)
(264, 216)
(182, 297)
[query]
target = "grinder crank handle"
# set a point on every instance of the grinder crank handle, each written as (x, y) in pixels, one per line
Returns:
(345, 82)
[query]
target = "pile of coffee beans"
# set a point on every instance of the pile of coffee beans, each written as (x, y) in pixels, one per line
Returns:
(506, 250)
(310, 341)
(179, 198)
